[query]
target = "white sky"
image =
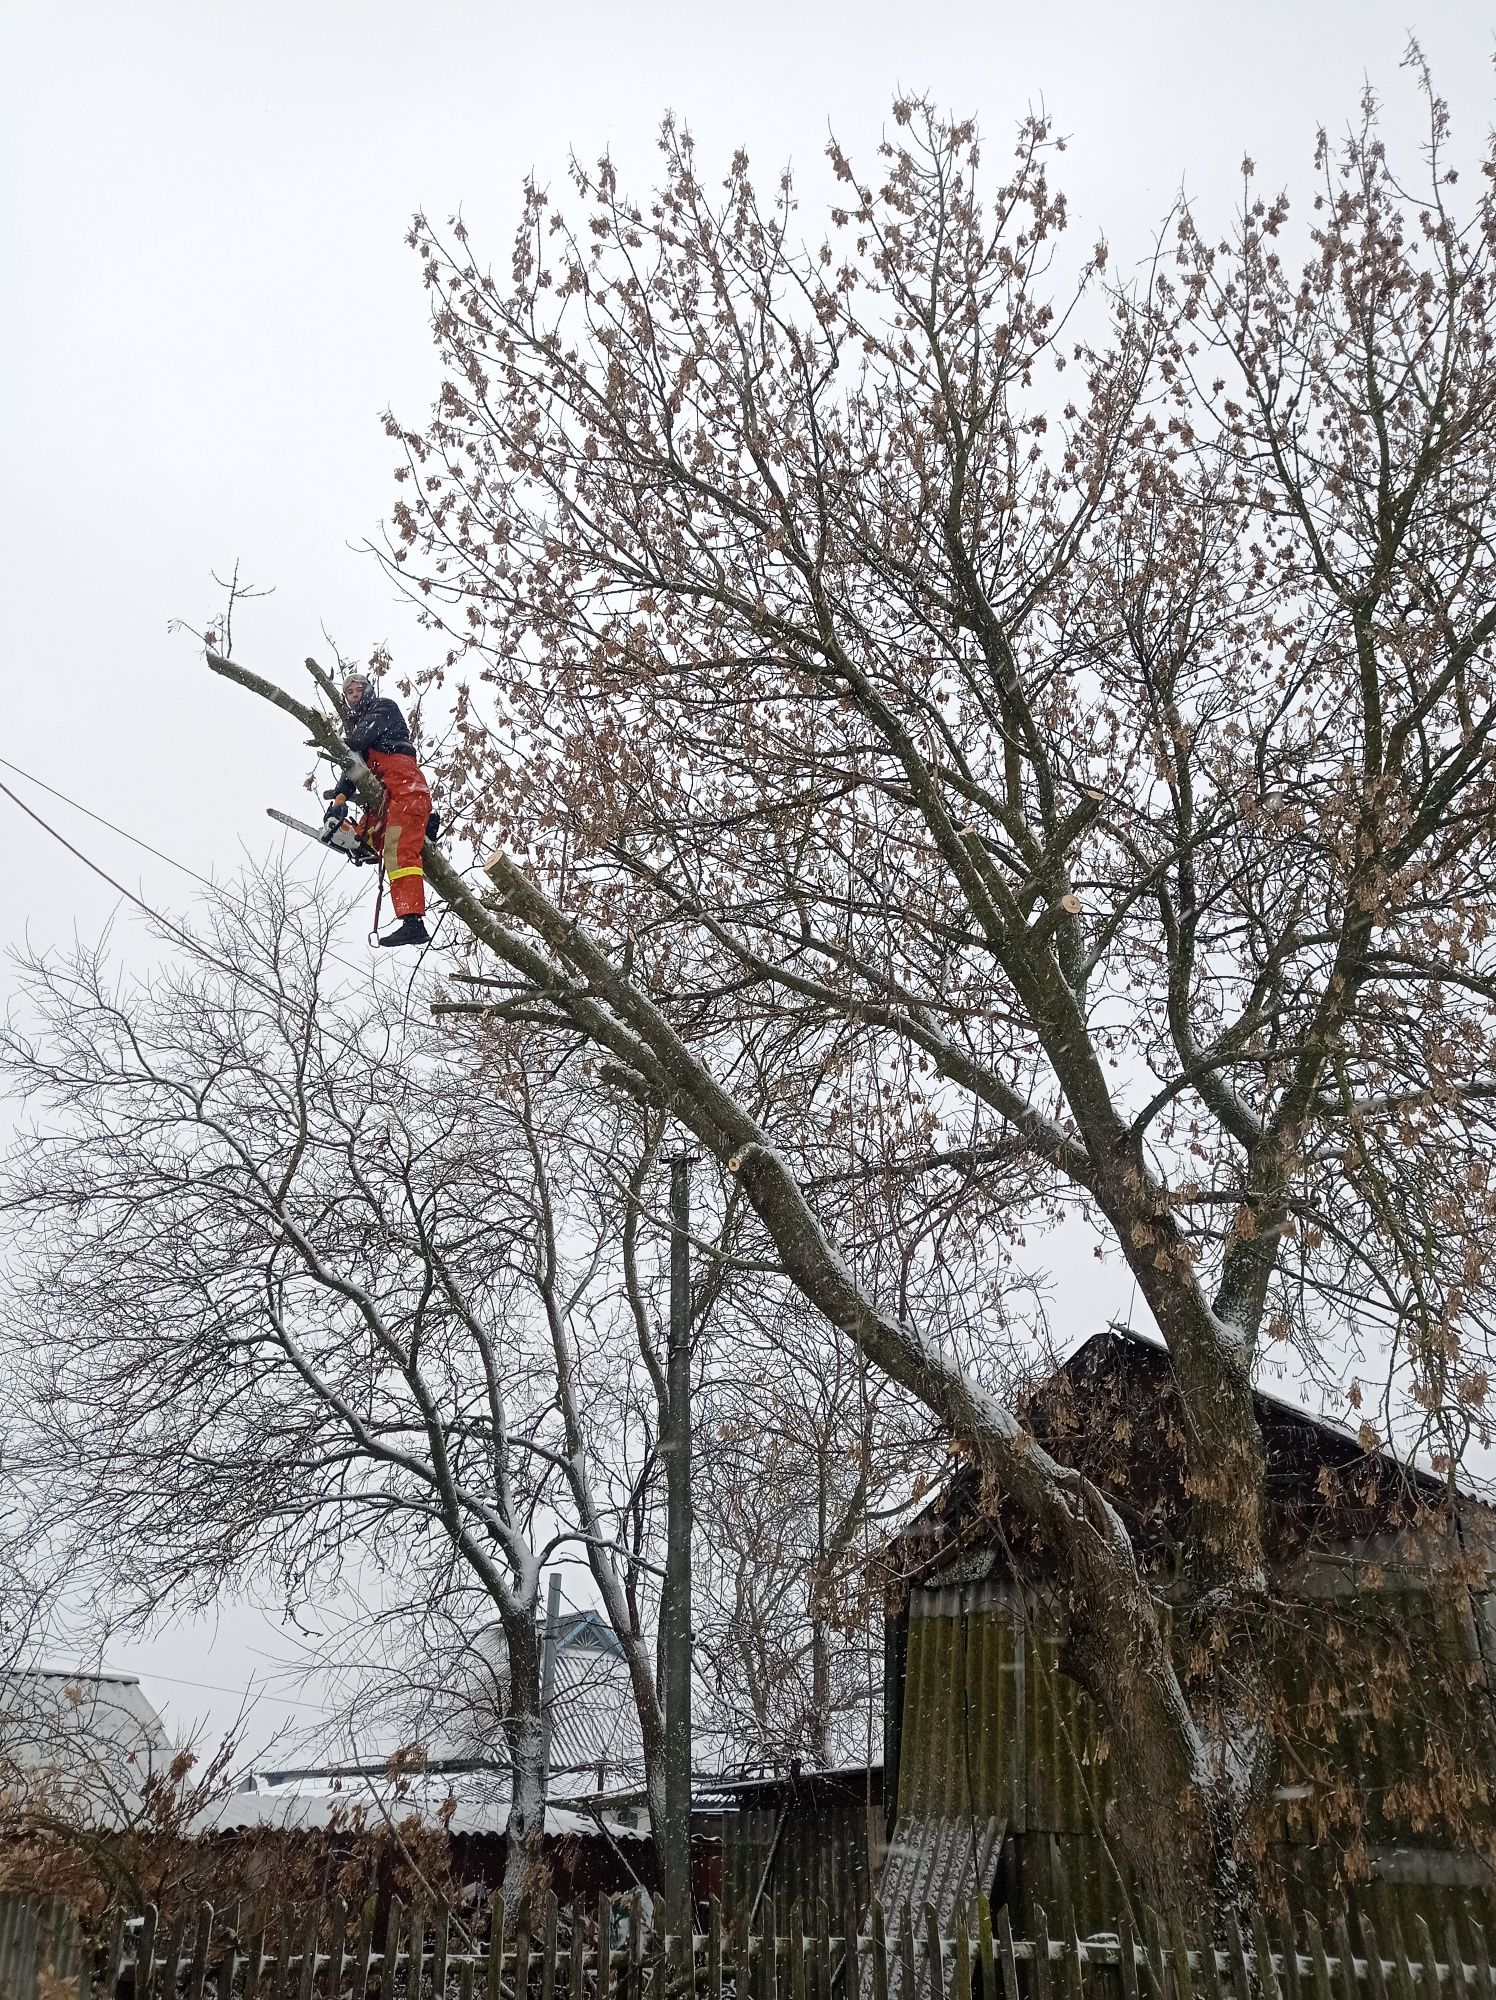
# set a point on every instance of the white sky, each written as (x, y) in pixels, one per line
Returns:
(208, 303)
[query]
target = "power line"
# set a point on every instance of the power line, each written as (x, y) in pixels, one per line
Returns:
(171, 861)
(248, 1692)
(93, 866)
(182, 937)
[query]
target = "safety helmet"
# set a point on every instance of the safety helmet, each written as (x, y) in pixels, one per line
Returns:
(357, 677)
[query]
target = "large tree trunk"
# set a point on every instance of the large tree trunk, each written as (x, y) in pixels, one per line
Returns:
(524, 1732)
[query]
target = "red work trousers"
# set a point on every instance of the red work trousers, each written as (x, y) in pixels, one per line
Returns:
(407, 807)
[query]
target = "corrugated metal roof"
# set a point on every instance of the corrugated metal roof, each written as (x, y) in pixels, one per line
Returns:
(941, 1862)
(594, 1721)
(594, 1718)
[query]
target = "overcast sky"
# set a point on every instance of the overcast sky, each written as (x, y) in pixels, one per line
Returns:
(208, 303)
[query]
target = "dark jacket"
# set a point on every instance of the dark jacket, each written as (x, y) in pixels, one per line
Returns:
(377, 724)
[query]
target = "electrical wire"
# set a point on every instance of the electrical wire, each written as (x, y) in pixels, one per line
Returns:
(249, 1691)
(42, 785)
(170, 859)
(93, 866)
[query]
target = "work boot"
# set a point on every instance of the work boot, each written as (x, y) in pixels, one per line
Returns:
(409, 930)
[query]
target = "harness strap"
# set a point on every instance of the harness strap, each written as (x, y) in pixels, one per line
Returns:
(376, 836)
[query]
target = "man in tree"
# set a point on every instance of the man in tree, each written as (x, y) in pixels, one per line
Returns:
(377, 733)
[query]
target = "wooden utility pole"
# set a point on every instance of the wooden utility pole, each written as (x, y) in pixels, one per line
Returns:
(548, 1673)
(675, 1604)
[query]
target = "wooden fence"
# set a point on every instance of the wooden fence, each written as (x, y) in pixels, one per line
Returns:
(560, 1952)
(42, 1952)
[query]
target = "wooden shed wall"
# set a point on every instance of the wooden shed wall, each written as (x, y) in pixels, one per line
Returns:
(990, 1725)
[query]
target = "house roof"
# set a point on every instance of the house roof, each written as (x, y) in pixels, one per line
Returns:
(453, 1805)
(845, 1784)
(594, 1719)
(92, 1736)
(595, 1735)
(1112, 1411)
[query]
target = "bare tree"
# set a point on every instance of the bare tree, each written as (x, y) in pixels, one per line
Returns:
(301, 1292)
(23, 1601)
(808, 1461)
(1087, 735)
(269, 1290)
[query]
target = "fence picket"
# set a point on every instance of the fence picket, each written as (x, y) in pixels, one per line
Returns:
(145, 1954)
(308, 1967)
(1179, 1957)
(1376, 1977)
(934, 1956)
(197, 1975)
(1345, 1952)
(1262, 1952)
(113, 1953)
(961, 1961)
(1008, 1958)
(1209, 1974)
(986, 1958)
(908, 1977)
(254, 1962)
(288, 1957)
(1241, 1978)
(742, 1984)
(522, 1952)
(337, 1946)
(172, 1964)
(1074, 1977)
(1428, 1971)
(365, 1950)
(576, 1965)
(415, 1949)
(1402, 1971)
(657, 1955)
(602, 1988)
(1318, 1961)
(387, 1963)
(1482, 1957)
(1291, 1979)
(1454, 1953)
(713, 1952)
(1039, 1966)
(440, 1944)
(634, 1988)
(496, 1947)
(548, 1949)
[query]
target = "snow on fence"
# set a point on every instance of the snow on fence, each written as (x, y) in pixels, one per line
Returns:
(575, 1952)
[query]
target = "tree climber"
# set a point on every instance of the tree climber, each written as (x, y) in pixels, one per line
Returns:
(396, 833)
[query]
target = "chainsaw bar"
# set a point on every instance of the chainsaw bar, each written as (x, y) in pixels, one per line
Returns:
(296, 825)
(343, 842)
